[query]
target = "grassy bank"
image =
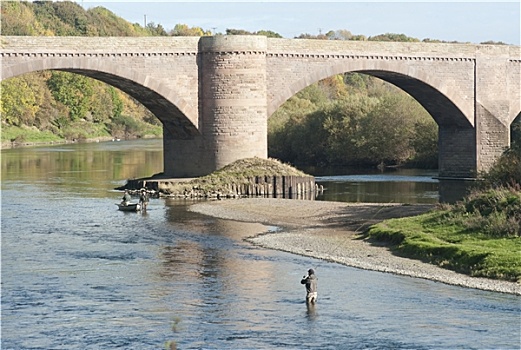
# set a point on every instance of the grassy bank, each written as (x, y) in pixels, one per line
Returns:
(13, 136)
(479, 236)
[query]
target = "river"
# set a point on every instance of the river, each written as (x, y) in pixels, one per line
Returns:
(79, 274)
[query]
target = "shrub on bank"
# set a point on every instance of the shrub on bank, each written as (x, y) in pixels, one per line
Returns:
(496, 212)
(506, 171)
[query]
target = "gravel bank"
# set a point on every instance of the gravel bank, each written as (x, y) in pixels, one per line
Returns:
(330, 231)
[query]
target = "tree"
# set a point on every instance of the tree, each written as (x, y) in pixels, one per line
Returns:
(341, 34)
(103, 22)
(309, 36)
(184, 30)
(389, 132)
(268, 33)
(334, 86)
(343, 121)
(19, 103)
(72, 16)
(73, 90)
(393, 37)
(156, 30)
(237, 32)
(425, 144)
(18, 18)
(357, 82)
(492, 42)
(358, 38)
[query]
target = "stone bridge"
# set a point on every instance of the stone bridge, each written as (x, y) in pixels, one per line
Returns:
(215, 94)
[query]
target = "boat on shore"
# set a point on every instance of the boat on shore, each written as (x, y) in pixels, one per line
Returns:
(129, 206)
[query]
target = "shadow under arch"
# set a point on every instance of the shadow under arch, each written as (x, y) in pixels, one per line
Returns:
(439, 106)
(515, 132)
(453, 111)
(155, 96)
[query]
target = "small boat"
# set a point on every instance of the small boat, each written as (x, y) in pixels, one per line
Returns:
(129, 206)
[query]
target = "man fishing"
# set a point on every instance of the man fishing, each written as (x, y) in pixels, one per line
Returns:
(143, 199)
(311, 286)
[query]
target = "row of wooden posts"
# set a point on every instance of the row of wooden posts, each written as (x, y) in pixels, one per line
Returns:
(258, 186)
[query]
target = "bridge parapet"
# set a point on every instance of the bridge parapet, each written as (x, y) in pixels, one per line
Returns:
(99, 45)
(382, 48)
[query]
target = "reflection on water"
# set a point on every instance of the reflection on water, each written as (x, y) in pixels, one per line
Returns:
(311, 313)
(451, 191)
(393, 186)
(397, 186)
(83, 167)
(79, 274)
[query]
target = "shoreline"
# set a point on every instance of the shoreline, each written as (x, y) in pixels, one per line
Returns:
(331, 231)
(5, 145)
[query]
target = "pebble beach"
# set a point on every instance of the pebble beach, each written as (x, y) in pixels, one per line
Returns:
(331, 231)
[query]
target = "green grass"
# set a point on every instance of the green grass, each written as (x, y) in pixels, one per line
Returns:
(76, 131)
(82, 130)
(13, 133)
(434, 238)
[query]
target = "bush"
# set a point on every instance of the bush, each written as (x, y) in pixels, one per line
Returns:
(495, 212)
(506, 171)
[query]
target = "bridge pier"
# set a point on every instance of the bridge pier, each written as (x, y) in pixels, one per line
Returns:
(232, 107)
(492, 138)
(466, 151)
(494, 110)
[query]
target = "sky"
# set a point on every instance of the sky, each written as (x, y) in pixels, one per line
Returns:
(473, 22)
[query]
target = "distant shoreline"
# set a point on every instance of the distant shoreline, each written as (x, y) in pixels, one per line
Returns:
(11, 145)
(330, 231)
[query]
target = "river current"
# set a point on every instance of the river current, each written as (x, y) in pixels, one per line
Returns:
(79, 274)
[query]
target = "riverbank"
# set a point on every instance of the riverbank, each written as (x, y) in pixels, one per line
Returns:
(19, 144)
(332, 231)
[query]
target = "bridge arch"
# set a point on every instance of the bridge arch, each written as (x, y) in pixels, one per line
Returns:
(442, 103)
(177, 116)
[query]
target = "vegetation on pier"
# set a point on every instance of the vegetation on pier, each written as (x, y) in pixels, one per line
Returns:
(230, 179)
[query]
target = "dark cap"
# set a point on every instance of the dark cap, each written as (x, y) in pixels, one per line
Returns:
(311, 271)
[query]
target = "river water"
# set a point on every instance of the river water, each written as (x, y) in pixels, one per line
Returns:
(79, 274)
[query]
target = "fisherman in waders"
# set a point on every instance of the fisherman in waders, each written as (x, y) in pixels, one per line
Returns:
(143, 199)
(311, 286)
